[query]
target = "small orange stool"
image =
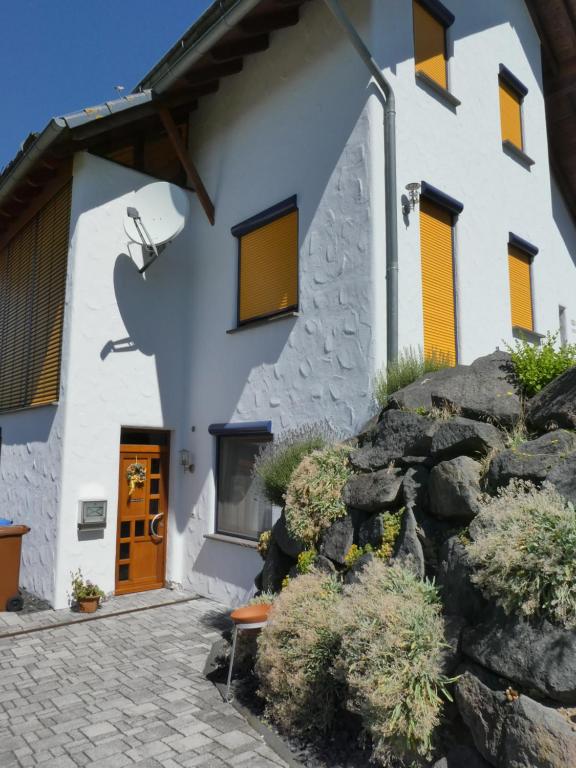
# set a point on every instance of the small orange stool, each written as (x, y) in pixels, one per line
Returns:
(246, 618)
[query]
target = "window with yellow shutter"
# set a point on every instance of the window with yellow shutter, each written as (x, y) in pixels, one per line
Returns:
(32, 290)
(431, 20)
(520, 256)
(268, 263)
(512, 94)
(437, 215)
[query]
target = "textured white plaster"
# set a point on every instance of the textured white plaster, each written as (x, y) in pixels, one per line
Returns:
(302, 118)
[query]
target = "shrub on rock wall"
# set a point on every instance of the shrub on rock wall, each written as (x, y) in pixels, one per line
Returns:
(314, 495)
(523, 552)
(391, 660)
(295, 655)
(412, 365)
(277, 460)
(536, 366)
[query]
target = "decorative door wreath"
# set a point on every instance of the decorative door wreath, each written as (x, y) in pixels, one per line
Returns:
(136, 476)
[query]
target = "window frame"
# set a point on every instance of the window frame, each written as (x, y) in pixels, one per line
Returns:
(268, 216)
(509, 79)
(446, 19)
(454, 208)
(256, 429)
(530, 251)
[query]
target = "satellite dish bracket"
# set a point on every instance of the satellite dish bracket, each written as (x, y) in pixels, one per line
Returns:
(149, 246)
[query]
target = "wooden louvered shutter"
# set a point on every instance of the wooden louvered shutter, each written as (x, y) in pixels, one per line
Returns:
(437, 281)
(511, 115)
(519, 265)
(429, 45)
(269, 269)
(32, 290)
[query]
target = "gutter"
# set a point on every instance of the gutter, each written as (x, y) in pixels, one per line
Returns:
(202, 36)
(390, 177)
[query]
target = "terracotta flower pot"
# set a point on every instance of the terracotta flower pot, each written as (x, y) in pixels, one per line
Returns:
(88, 604)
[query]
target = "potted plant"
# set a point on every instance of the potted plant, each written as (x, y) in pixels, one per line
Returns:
(85, 594)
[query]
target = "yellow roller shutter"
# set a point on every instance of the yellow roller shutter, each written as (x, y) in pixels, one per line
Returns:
(269, 268)
(511, 115)
(437, 281)
(519, 265)
(429, 45)
(32, 290)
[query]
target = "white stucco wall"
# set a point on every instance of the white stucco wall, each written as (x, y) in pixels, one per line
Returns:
(298, 120)
(302, 118)
(109, 301)
(30, 489)
(460, 152)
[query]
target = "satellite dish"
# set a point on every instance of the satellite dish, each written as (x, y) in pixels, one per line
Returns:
(156, 215)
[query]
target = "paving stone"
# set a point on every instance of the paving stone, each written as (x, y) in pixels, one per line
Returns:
(120, 692)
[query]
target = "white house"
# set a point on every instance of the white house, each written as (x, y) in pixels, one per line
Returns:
(279, 312)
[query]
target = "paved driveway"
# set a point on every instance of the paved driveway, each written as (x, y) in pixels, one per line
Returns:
(120, 691)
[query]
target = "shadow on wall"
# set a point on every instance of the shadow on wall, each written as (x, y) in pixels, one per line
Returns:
(564, 221)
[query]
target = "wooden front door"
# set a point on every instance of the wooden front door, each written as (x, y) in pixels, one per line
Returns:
(142, 511)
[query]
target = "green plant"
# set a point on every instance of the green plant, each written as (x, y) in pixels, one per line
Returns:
(306, 561)
(264, 598)
(277, 460)
(295, 654)
(313, 498)
(392, 523)
(391, 660)
(353, 555)
(412, 364)
(82, 589)
(538, 365)
(263, 545)
(524, 558)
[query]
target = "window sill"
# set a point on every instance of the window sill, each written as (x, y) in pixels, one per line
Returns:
(248, 543)
(263, 321)
(435, 89)
(517, 154)
(523, 334)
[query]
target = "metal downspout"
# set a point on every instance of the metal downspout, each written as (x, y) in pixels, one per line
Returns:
(389, 178)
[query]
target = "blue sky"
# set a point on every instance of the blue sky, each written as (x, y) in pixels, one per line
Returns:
(58, 56)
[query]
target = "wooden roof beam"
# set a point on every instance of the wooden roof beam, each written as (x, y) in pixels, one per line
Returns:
(204, 75)
(187, 164)
(241, 47)
(262, 23)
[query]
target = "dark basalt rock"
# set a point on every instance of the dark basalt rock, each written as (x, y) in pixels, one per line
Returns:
(276, 567)
(533, 460)
(289, 545)
(415, 489)
(459, 595)
(483, 391)
(371, 531)
(538, 657)
(337, 540)
(462, 757)
(324, 565)
(455, 489)
(513, 734)
(465, 437)
(555, 405)
(353, 575)
(373, 492)
(408, 550)
(398, 433)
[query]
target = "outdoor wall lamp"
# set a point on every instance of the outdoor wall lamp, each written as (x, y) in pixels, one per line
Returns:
(185, 461)
(410, 204)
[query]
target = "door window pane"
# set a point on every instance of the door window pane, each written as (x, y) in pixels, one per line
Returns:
(241, 509)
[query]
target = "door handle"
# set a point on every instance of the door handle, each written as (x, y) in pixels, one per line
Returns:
(154, 535)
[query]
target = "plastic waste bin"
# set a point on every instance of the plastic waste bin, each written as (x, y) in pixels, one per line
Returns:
(10, 549)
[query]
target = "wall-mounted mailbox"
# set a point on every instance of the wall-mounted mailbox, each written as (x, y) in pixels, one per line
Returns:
(92, 514)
